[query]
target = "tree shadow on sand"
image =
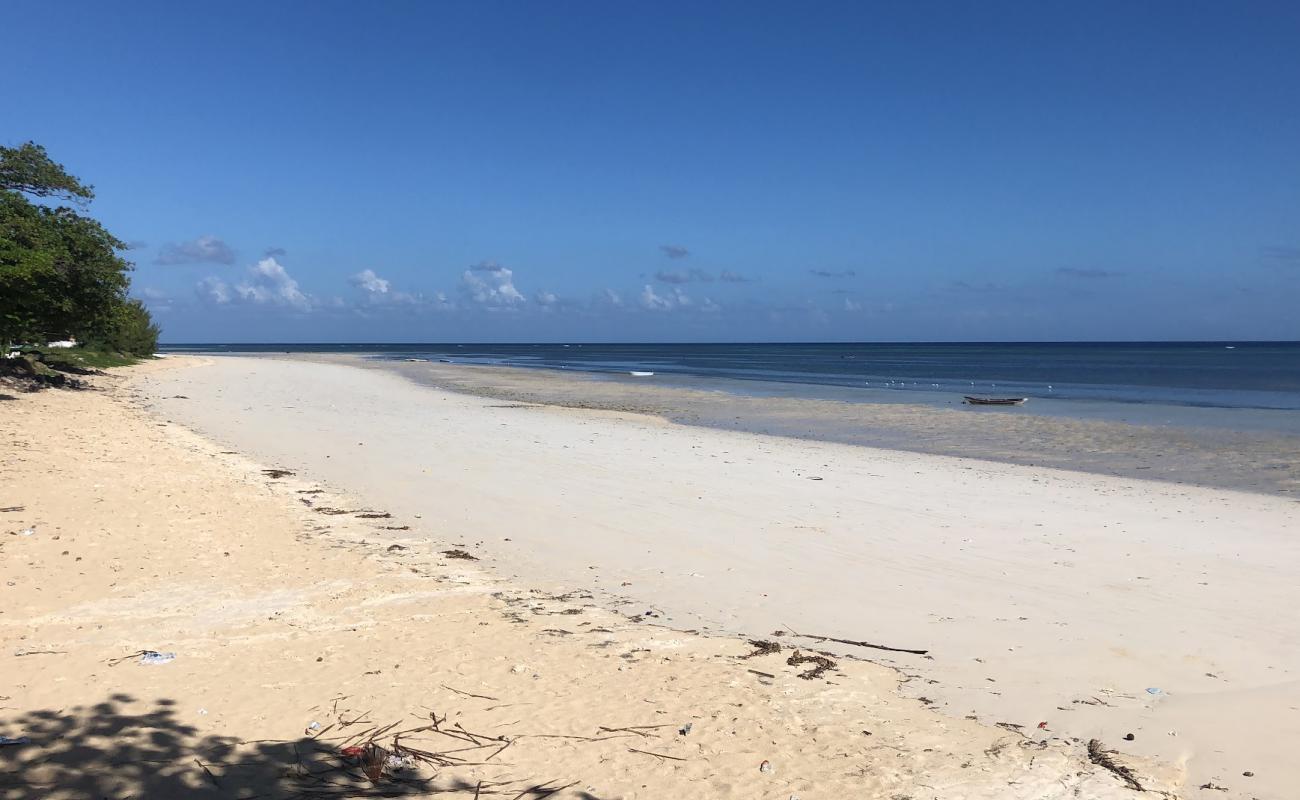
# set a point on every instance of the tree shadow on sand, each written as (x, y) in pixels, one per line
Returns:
(111, 751)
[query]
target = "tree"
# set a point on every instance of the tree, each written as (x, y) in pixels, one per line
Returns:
(28, 169)
(60, 272)
(131, 330)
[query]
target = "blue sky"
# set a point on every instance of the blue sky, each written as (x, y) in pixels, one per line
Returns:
(614, 171)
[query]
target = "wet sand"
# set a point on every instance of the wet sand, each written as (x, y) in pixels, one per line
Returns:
(1216, 456)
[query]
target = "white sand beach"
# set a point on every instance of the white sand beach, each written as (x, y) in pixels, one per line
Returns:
(1100, 606)
(1049, 603)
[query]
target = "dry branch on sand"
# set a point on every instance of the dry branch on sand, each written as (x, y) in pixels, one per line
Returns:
(1103, 758)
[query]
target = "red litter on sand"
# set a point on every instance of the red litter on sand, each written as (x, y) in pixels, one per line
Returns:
(353, 752)
(1042, 726)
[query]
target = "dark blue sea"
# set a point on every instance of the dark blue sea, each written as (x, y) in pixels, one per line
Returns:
(1227, 375)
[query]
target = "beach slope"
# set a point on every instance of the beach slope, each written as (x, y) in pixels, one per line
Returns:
(305, 613)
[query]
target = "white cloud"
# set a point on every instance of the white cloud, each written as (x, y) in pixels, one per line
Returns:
(852, 305)
(213, 290)
(149, 293)
(610, 297)
(653, 302)
(490, 284)
(709, 306)
(269, 283)
(367, 281)
(546, 299)
(380, 290)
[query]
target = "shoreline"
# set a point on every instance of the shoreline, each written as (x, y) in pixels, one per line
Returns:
(1220, 458)
(295, 632)
(1008, 583)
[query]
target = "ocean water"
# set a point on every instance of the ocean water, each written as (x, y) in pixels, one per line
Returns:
(1207, 375)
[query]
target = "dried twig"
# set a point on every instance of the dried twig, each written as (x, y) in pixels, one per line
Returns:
(208, 772)
(1100, 756)
(542, 790)
(856, 643)
(113, 662)
(469, 694)
(639, 730)
(656, 755)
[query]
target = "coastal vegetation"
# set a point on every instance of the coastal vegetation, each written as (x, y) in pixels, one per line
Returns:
(62, 275)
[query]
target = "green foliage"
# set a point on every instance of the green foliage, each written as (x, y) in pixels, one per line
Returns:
(27, 168)
(79, 359)
(130, 330)
(60, 272)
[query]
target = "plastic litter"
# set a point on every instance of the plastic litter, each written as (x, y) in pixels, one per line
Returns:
(685, 729)
(313, 726)
(155, 657)
(5, 741)
(1153, 690)
(26, 531)
(399, 762)
(765, 767)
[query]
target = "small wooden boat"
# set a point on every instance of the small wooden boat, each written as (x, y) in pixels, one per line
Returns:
(996, 401)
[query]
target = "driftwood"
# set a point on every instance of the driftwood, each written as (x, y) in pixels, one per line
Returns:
(855, 643)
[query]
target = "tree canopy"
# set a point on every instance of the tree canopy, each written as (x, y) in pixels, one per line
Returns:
(60, 271)
(29, 169)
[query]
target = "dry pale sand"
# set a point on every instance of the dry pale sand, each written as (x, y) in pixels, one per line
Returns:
(130, 533)
(121, 533)
(1044, 596)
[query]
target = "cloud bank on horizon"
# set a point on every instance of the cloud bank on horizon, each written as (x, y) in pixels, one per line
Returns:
(487, 300)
